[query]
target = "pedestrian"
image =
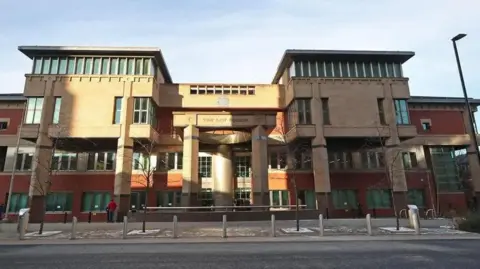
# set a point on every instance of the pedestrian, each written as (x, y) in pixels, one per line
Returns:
(111, 207)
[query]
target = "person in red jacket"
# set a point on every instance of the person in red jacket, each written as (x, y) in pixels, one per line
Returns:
(111, 207)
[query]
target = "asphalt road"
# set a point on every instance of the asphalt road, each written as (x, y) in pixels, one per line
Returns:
(352, 255)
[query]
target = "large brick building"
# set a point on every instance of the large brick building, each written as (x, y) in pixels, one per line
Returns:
(341, 125)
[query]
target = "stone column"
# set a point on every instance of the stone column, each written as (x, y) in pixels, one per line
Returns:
(396, 173)
(259, 175)
(473, 161)
(40, 180)
(190, 184)
(320, 165)
(223, 176)
(124, 157)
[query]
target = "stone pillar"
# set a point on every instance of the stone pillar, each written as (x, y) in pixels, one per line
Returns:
(396, 173)
(260, 194)
(473, 161)
(190, 184)
(223, 176)
(40, 180)
(124, 157)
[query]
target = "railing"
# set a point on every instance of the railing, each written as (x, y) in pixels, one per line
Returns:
(403, 211)
(225, 208)
(432, 211)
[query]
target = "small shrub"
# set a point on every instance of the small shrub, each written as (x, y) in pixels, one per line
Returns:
(469, 224)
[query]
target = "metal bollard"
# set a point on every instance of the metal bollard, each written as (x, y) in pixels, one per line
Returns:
(369, 224)
(416, 223)
(175, 227)
(125, 227)
(21, 227)
(320, 224)
(224, 226)
(73, 236)
(273, 230)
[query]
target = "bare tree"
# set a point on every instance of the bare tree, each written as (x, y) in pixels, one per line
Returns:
(142, 161)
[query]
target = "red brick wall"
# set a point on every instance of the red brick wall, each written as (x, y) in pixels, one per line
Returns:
(15, 116)
(443, 121)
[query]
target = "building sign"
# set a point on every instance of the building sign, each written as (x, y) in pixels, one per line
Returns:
(225, 120)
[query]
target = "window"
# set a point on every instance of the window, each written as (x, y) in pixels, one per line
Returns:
(416, 197)
(242, 166)
(122, 68)
(88, 66)
(141, 162)
(144, 111)
(426, 125)
(344, 199)
(3, 125)
(105, 67)
(146, 65)
(18, 201)
(56, 111)
(329, 70)
(175, 160)
(130, 66)
(340, 160)
(364, 70)
(243, 193)
(409, 160)
(169, 198)
(401, 112)
(96, 66)
(54, 66)
(303, 159)
(114, 66)
(59, 202)
(446, 169)
(71, 65)
(117, 115)
(79, 68)
(279, 198)
(376, 70)
(278, 160)
(138, 66)
(303, 111)
(205, 166)
(24, 162)
(381, 111)
(390, 71)
(64, 162)
(95, 201)
(397, 70)
(37, 65)
(372, 159)
(46, 65)
(379, 199)
(206, 197)
(34, 110)
(101, 161)
(326, 111)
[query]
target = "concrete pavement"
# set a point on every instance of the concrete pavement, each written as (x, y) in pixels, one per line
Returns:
(353, 254)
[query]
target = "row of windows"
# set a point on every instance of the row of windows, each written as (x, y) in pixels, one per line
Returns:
(98, 201)
(345, 69)
(300, 112)
(369, 160)
(93, 66)
(223, 90)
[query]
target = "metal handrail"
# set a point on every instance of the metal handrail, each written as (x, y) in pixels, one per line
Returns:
(430, 210)
(405, 211)
(222, 207)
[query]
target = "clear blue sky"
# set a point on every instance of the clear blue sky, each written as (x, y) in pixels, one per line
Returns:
(243, 41)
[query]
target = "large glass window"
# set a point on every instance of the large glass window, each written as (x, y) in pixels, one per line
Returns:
(416, 197)
(141, 162)
(62, 69)
(46, 65)
(34, 110)
(206, 197)
(71, 65)
(144, 111)
(101, 161)
(130, 66)
(303, 159)
(37, 65)
(56, 111)
(96, 66)
(59, 202)
(18, 201)
(344, 199)
(242, 166)
(304, 111)
(409, 160)
(117, 116)
(340, 160)
(114, 66)
(372, 159)
(64, 162)
(95, 201)
(24, 162)
(169, 198)
(88, 66)
(401, 112)
(446, 170)
(54, 66)
(279, 198)
(170, 160)
(105, 67)
(378, 198)
(243, 193)
(79, 68)
(278, 160)
(205, 166)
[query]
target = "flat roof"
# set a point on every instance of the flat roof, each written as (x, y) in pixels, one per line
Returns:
(340, 55)
(12, 97)
(32, 51)
(441, 100)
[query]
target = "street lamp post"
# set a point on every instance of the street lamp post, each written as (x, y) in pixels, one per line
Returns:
(473, 133)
